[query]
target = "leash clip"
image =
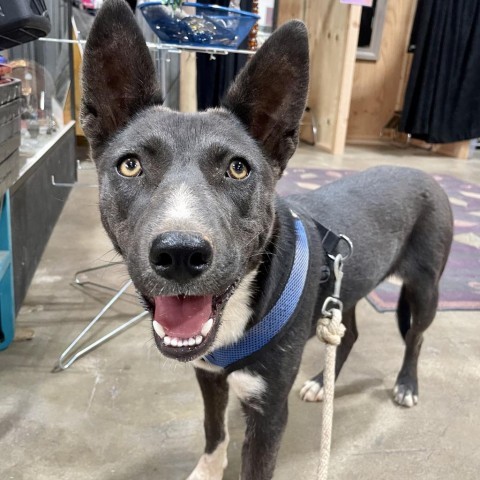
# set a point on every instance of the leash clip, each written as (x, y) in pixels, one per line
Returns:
(334, 301)
(330, 329)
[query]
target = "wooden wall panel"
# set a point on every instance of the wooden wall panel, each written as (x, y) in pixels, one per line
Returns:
(333, 31)
(333, 35)
(378, 87)
(288, 9)
(463, 150)
(356, 98)
(188, 82)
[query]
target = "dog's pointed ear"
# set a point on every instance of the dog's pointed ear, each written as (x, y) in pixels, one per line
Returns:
(118, 77)
(270, 93)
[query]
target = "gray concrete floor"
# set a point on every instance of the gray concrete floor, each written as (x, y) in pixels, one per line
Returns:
(123, 412)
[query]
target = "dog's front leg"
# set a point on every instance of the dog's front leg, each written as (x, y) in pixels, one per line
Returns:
(264, 432)
(264, 400)
(214, 389)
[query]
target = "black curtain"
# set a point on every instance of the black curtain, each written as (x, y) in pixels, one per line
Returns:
(442, 101)
(366, 23)
(215, 76)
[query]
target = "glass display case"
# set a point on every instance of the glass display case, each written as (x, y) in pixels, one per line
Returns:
(44, 156)
(45, 70)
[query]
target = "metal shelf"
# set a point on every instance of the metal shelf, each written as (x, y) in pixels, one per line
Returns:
(171, 48)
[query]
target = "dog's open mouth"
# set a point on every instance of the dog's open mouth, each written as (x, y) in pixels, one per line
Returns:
(185, 326)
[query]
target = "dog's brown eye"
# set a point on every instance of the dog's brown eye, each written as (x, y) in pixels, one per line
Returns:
(238, 169)
(130, 167)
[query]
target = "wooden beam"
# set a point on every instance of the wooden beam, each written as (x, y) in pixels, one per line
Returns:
(462, 150)
(333, 35)
(351, 42)
(188, 82)
(289, 9)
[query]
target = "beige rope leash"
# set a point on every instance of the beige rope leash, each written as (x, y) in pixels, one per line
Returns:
(330, 330)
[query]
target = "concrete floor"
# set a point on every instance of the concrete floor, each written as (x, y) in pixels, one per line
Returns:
(123, 412)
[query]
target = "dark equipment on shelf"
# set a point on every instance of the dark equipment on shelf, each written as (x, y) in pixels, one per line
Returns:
(22, 21)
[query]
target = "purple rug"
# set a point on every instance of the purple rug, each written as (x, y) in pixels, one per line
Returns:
(460, 284)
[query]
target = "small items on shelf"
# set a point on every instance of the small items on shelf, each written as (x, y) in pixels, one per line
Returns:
(197, 24)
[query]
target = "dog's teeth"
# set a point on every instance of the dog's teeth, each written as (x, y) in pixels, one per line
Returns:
(183, 342)
(158, 329)
(207, 327)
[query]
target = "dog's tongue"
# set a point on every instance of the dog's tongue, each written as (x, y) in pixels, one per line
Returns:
(182, 316)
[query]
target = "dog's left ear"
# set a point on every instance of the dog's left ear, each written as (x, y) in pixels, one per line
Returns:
(270, 93)
(118, 77)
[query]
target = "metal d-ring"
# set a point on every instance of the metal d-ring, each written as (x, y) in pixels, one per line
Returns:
(349, 247)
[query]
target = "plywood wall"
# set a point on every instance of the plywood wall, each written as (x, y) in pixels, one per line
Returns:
(333, 34)
(188, 82)
(378, 87)
(356, 98)
(289, 9)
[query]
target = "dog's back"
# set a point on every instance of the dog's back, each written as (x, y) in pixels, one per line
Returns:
(398, 219)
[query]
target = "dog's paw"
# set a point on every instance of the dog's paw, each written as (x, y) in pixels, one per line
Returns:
(211, 465)
(404, 395)
(311, 391)
(207, 470)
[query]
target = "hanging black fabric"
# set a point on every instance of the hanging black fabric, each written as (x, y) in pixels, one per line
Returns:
(215, 76)
(442, 101)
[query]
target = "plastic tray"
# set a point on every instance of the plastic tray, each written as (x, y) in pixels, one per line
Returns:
(209, 26)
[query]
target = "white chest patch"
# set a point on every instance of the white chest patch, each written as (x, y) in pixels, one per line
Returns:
(235, 317)
(247, 386)
(237, 312)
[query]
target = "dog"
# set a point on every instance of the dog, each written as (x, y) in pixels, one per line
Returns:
(235, 277)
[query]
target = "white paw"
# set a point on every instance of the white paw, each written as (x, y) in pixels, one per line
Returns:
(403, 395)
(211, 465)
(206, 470)
(311, 391)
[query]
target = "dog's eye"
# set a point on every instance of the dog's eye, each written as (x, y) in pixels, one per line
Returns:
(238, 169)
(130, 167)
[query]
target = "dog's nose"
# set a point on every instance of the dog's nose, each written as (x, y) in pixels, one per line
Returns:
(180, 256)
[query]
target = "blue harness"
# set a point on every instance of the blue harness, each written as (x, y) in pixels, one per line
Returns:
(266, 329)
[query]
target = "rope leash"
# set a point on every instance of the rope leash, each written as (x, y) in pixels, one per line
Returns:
(330, 330)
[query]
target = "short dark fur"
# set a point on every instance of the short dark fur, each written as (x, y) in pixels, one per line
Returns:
(398, 219)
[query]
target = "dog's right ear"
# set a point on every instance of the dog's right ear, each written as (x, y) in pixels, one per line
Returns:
(118, 77)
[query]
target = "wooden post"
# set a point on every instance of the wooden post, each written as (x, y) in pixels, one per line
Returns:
(333, 35)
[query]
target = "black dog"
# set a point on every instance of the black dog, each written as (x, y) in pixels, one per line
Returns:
(235, 278)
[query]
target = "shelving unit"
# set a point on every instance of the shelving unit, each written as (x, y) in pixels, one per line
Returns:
(37, 142)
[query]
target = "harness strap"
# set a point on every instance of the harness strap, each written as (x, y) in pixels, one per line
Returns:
(269, 327)
(330, 239)
(262, 333)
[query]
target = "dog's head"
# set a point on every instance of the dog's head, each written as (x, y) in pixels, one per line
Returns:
(188, 199)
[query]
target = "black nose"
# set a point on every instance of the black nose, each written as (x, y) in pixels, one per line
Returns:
(180, 256)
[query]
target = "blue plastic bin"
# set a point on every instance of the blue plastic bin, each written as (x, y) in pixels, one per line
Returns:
(210, 26)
